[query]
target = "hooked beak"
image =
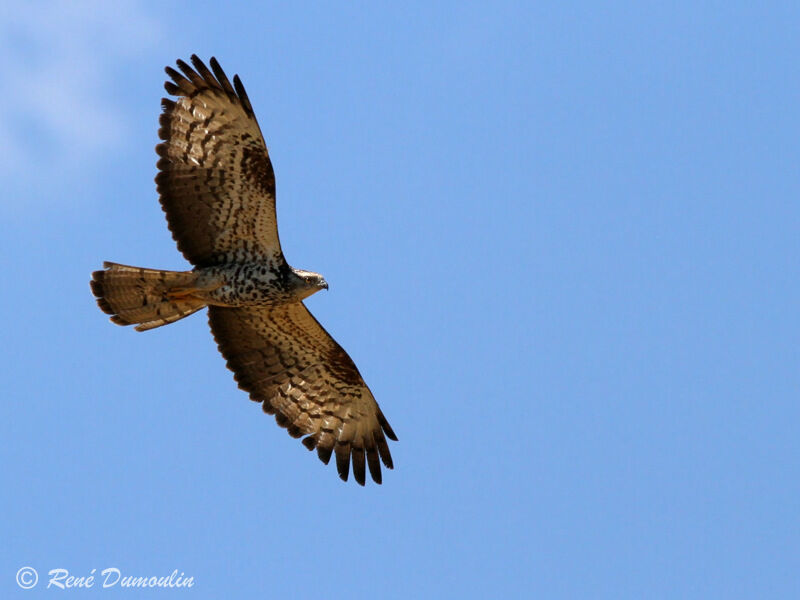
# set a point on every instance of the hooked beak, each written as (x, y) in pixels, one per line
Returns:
(324, 284)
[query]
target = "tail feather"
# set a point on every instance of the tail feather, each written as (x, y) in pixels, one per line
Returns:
(147, 298)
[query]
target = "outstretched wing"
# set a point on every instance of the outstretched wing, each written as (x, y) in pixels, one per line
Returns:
(285, 359)
(215, 178)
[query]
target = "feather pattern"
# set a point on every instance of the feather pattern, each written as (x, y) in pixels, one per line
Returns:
(215, 180)
(286, 361)
(217, 189)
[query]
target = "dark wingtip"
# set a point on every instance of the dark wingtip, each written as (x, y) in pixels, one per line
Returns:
(386, 427)
(324, 453)
(172, 89)
(172, 73)
(374, 466)
(358, 465)
(242, 93)
(383, 448)
(343, 460)
(222, 78)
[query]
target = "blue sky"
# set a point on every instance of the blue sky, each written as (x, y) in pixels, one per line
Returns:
(562, 247)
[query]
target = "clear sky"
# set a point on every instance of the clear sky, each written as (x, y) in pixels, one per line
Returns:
(562, 247)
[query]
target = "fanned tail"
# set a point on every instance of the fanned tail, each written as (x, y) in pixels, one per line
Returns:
(147, 298)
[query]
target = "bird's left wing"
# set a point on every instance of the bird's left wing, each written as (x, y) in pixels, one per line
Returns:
(285, 359)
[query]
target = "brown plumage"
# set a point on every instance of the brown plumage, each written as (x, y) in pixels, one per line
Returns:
(312, 387)
(217, 189)
(148, 298)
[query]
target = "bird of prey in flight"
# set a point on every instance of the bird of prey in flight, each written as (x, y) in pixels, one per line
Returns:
(217, 189)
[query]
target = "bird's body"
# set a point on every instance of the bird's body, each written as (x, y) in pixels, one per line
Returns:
(217, 188)
(256, 283)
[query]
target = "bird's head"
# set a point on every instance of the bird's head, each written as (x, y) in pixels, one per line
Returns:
(309, 283)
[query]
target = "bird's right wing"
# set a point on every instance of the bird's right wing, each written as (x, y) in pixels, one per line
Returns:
(215, 179)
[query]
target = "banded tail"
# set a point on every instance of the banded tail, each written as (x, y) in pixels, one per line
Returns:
(147, 298)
